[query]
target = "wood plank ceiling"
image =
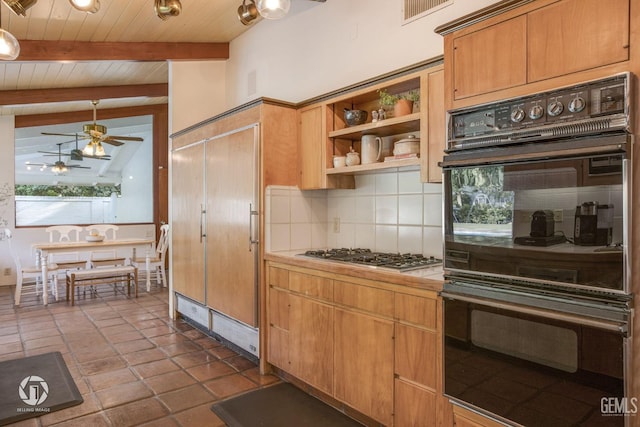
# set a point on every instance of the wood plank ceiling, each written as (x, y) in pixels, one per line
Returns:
(123, 44)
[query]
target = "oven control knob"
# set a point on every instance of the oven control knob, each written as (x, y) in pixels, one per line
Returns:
(536, 112)
(555, 108)
(577, 104)
(517, 115)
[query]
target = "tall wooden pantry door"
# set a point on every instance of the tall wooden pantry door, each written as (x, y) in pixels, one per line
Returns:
(232, 182)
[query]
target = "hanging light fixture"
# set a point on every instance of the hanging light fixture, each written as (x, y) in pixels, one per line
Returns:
(247, 12)
(165, 9)
(88, 150)
(273, 9)
(59, 168)
(99, 149)
(9, 46)
(89, 6)
(19, 7)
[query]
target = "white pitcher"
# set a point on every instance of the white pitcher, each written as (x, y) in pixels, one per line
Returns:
(371, 149)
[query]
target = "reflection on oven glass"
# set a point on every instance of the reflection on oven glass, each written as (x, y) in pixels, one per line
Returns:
(535, 372)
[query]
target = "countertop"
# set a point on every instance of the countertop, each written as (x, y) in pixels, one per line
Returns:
(430, 278)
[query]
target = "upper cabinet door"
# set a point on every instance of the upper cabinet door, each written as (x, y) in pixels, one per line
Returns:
(490, 59)
(576, 35)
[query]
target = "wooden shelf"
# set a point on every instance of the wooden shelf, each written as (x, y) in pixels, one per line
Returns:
(388, 127)
(372, 167)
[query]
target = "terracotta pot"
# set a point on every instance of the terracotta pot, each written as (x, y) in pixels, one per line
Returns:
(402, 108)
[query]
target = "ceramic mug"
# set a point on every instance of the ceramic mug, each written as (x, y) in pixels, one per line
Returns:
(339, 161)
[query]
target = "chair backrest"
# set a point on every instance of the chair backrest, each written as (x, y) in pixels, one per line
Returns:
(65, 233)
(163, 241)
(7, 236)
(104, 230)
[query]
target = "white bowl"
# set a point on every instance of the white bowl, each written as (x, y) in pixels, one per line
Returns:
(94, 238)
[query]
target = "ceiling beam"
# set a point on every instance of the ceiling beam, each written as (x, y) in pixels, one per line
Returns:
(87, 115)
(62, 50)
(39, 96)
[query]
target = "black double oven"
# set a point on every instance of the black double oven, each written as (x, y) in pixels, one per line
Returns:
(537, 300)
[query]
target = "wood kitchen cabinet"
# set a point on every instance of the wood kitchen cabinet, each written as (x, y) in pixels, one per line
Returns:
(417, 358)
(364, 343)
(514, 48)
(323, 132)
(465, 418)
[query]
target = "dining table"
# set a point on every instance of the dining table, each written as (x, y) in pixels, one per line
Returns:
(45, 248)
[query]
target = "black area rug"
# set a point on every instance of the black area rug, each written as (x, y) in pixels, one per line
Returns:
(281, 405)
(34, 386)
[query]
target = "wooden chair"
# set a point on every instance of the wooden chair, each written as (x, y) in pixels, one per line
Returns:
(29, 272)
(157, 262)
(104, 230)
(64, 233)
(107, 257)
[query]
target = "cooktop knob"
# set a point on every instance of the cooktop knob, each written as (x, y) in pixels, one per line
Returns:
(517, 115)
(577, 104)
(555, 108)
(536, 112)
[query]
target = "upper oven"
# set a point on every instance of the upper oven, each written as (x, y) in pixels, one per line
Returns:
(537, 189)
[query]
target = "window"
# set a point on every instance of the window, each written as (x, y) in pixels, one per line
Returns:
(117, 188)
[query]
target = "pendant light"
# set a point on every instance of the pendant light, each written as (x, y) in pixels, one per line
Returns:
(273, 9)
(89, 6)
(9, 46)
(247, 12)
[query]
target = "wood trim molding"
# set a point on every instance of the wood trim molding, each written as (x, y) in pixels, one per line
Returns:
(480, 15)
(87, 115)
(39, 96)
(62, 50)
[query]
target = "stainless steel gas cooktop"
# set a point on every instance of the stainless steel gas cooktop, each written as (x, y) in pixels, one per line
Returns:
(396, 261)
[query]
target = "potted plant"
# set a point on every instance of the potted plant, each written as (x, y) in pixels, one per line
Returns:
(402, 104)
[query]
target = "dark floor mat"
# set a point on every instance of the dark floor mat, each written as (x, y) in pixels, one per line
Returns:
(281, 405)
(34, 386)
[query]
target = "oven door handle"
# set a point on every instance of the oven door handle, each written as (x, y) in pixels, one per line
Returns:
(612, 326)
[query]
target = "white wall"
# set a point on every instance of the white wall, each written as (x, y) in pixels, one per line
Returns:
(320, 47)
(196, 92)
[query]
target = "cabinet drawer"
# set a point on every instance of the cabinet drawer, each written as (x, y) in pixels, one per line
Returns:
(279, 277)
(278, 349)
(416, 355)
(311, 286)
(279, 308)
(417, 310)
(376, 301)
(414, 406)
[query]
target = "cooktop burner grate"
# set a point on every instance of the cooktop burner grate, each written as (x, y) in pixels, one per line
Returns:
(397, 261)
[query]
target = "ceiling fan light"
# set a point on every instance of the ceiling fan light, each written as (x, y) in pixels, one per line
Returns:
(165, 9)
(89, 6)
(88, 150)
(19, 7)
(247, 12)
(273, 9)
(100, 150)
(9, 46)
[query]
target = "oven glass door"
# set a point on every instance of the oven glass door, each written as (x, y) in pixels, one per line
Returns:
(533, 370)
(558, 220)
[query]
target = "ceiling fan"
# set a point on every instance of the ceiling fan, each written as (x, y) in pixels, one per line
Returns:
(97, 134)
(76, 153)
(58, 167)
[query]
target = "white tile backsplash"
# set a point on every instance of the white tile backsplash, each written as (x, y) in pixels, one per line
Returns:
(388, 212)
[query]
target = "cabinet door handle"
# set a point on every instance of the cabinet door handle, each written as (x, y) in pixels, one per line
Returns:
(203, 211)
(252, 240)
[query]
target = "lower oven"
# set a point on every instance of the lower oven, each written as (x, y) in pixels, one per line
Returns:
(537, 299)
(536, 359)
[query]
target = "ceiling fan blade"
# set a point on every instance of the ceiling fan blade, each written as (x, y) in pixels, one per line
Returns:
(77, 167)
(62, 134)
(51, 153)
(124, 138)
(113, 142)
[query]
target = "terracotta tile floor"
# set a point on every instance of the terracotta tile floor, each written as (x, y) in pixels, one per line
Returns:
(132, 364)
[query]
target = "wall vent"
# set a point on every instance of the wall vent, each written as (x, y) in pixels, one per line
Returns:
(415, 9)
